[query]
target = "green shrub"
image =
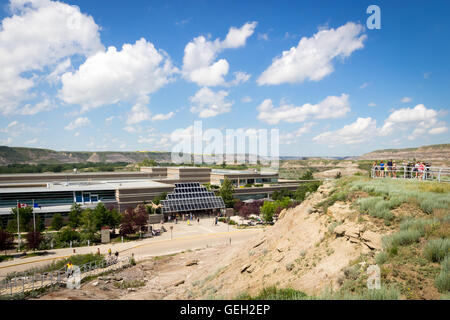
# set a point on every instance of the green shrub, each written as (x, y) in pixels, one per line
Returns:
(402, 238)
(442, 281)
(129, 284)
(332, 226)
(381, 258)
(57, 221)
(272, 293)
(417, 224)
(384, 293)
(376, 207)
(435, 250)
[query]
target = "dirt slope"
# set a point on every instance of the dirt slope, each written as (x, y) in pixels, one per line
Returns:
(299, 252)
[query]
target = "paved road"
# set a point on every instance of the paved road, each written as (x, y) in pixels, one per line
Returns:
(184, 237)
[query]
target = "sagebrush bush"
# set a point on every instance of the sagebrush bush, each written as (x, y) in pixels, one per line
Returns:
(435, 250)
(402, 238)
(442, 281)
(384, 293)
(418, 224)
(376, 207)
(333, 225)
(272, 293)
(381, 258)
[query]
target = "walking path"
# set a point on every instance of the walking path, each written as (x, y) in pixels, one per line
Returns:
(184, 237)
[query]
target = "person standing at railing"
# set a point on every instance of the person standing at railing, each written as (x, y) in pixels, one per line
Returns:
(375, 169)
(389, 168)
(416, 169)
(382, 169)
(421, 170)
(69, 270)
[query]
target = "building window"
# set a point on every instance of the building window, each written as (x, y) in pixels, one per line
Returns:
(78, 196)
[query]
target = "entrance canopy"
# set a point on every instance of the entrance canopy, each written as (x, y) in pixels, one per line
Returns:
(191, 196)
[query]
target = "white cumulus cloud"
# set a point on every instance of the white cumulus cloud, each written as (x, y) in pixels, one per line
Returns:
(161, 116)
(329, 108)
(420, 117)
(36, 39)
(199, 63)
(208, 103)
(313, 57)
(362, 130)
(78, 123)
(113, 76)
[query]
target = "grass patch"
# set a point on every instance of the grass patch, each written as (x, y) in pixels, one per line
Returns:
(384, 293)
(272, 293)
(402, 238)
(377, 207)
(436, 250)
(129, 284)
(381, 258)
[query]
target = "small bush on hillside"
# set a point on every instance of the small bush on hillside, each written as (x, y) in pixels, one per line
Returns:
(376, 207)
(332, 226)
(381, 258)
(384, 293)
(442, 281)
(430, 204)
(417, 224)
(435, 250)
(402, 238)
(272, 293)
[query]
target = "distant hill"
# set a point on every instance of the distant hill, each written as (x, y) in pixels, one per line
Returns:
(11, 155)
(437, 152)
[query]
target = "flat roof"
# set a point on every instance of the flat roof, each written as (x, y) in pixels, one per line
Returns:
(87, 185)
(229, 171)
(72, 174)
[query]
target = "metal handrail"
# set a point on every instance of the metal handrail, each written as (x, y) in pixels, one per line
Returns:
(29, 282)
(440, 174)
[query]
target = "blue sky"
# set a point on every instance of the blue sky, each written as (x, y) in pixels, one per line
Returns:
(339, 88)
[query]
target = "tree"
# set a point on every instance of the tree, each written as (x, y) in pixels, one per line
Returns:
(158, 198)
(34, 239)
(127, 225)
(88, 222)
(226, 192)
(67, 234)
(148, 163)
(305, 188)
(101, 216)
(114, 219)
(57, 221)
(308, 175)
(25, 216)
(278, 195)
(75, 215)
(238, 204)
(140, 217)
(248, 209)
(6, 240)
(268, 210)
